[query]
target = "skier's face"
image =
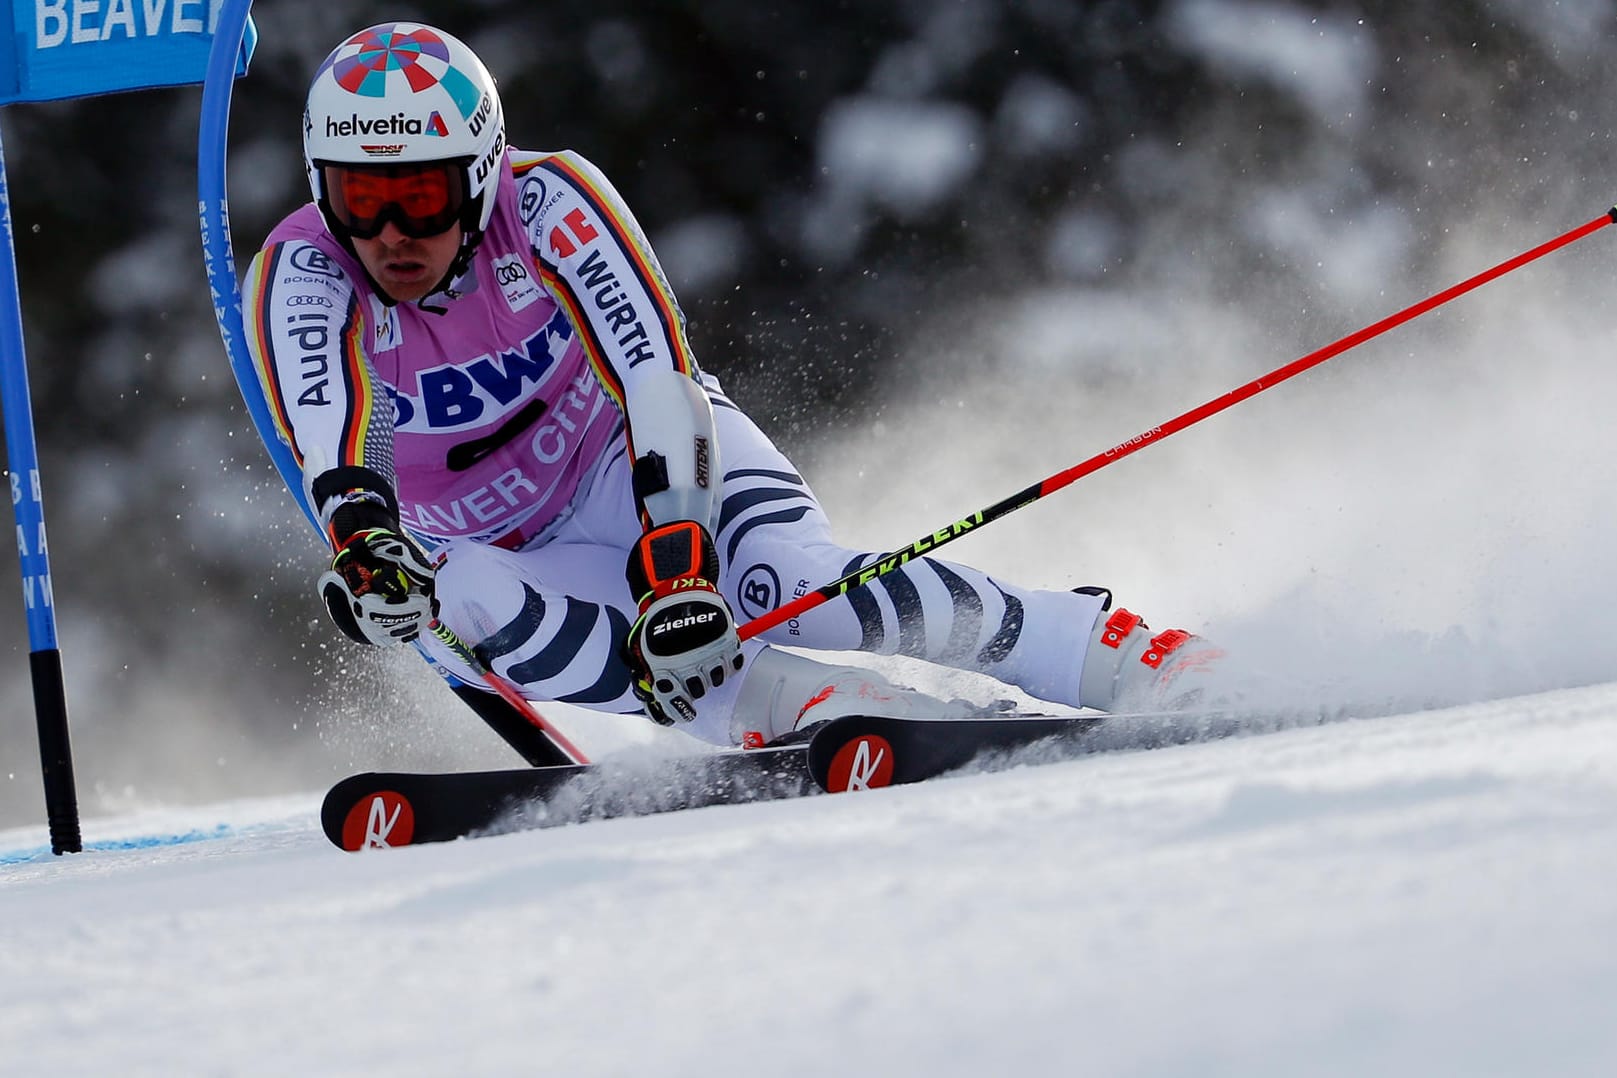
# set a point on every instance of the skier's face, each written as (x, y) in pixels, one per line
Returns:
(407, 268)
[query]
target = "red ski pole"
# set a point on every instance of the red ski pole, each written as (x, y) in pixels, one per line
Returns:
(505, 689)
(983, 517)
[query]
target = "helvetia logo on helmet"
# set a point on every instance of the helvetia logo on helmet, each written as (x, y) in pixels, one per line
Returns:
(396, 124)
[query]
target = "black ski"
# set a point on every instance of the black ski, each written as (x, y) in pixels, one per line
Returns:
(850, 753)
(861, 752)
(381, 809)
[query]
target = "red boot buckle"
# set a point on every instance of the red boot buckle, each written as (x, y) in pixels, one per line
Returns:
(1118, 627)
(1162, 645)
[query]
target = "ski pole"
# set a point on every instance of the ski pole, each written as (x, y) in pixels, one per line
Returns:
(504, 688)
(983, 517)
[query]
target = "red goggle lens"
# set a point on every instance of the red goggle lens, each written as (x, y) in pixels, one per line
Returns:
(423, 200)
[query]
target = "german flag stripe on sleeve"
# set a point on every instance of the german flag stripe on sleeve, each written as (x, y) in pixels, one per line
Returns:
(360, 385)
(524, 163)
(259, 275)
(563, 291)
(625, 236)
(335, 372)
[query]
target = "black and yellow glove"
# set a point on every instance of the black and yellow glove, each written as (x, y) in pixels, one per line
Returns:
(379, 587)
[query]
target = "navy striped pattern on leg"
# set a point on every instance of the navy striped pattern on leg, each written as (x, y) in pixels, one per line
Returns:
(561, 655)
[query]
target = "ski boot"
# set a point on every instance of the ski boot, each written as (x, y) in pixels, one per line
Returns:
(786, 694)
(1128, 666)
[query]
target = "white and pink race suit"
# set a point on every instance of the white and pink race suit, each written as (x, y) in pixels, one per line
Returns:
(496, 408)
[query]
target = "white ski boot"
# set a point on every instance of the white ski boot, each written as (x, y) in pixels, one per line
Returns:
(1127, 666)
(785, 693)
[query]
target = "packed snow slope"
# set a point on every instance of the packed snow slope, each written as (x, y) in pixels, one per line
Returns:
(1427, 893)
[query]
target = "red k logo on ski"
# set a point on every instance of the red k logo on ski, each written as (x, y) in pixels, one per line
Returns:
(381, 820)
(864, 763)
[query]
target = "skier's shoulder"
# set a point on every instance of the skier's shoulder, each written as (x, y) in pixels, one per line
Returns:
(300, 253)
(524, 162)
(544, 179)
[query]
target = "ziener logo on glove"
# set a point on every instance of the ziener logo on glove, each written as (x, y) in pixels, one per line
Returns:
(685, 622)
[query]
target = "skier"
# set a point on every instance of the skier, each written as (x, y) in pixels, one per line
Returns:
(481, 370)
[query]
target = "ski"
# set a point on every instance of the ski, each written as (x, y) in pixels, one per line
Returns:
(854, 752)
(386, 809)
(862, 752)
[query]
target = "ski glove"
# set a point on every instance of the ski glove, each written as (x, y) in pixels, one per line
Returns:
(685, 641)
(379, 587)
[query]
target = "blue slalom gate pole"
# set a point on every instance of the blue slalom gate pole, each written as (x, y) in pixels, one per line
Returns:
(213, 207)
(27, 505)
(48, 53)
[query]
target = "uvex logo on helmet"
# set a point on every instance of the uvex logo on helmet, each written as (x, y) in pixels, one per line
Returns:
(477, 119)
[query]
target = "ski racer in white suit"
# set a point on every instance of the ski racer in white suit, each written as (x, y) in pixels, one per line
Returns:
(480, 368)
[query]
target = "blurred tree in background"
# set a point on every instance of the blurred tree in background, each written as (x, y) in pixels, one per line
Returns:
(844, 194)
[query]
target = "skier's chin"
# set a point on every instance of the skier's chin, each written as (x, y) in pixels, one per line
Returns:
(407, 269)
(406, 284)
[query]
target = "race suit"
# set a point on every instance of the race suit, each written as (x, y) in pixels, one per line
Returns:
(496, 409)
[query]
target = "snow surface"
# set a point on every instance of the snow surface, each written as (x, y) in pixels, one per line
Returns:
(1428, 893)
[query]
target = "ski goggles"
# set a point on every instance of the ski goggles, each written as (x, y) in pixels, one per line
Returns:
(422, 199)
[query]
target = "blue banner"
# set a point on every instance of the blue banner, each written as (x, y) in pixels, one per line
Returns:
(79, 48)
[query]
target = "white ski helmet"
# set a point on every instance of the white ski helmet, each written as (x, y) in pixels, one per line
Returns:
(401, 93)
